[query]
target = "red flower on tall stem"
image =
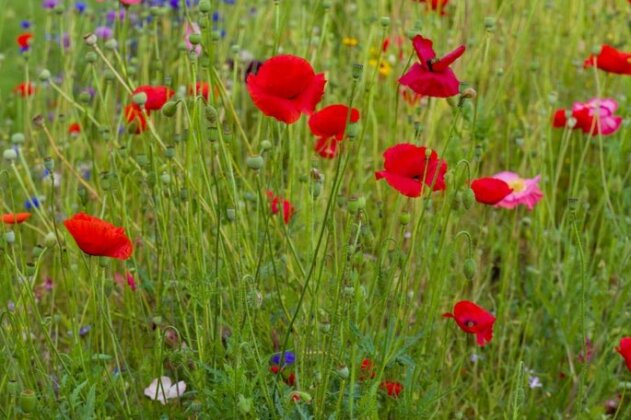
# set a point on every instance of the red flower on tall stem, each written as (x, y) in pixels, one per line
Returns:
(15, 218)
(409, 168)
(625, 350)
(432, 76)
(286, 87)
(473, 319)
(157, 96)
(275, 203)
(99, 238)
(133, 114)
(610, 60)
(437, 5)
(329, 125)
(393, 389)
(24, 41)
(490, 190)
(24, 89)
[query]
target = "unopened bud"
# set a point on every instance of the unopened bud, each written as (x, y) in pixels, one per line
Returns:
(204, 6)
(44, 75)
(255, 162)
(90, 39)
(469, 268)
(10, 154)
(169, 109)
(140, 98)
(358, 69)
(28, 401)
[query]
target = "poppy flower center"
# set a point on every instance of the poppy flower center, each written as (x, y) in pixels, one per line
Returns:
(469, 323)
(429, 64)
(517, 185)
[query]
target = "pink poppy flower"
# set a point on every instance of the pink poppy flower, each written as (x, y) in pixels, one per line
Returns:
(190, 29)
(525, 191)
(593, 117)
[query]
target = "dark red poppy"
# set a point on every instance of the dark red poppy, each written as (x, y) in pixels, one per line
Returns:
(133, 114)
(157, 96)
(367, 370)
(393, 389)
(329, 125)
(473, 319)
(74, 129)
(286, 87)
(24, 41)
(98, 237)
(432, 76)
(407, 168)
(288, 209)
(610, 60)
(625, 350)
(24, 89)
(15, 218)
(490, 190)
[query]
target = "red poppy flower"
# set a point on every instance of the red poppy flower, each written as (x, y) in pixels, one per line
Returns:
(285, 87)
(392, 388)
(24, 40)
(597, 116)
(473, 319)
(130, 2)
(408, 167)
(15, 218)
(432, 76)
(438, 5)
(289, 379)
(98, 237)
(74, 129)
(157, 96)
(288, 209)
(610, 60)
(133, 114)
(625, 350)
(329, 125)
(367, 370)
(203, 89)
(490, 190)
(24, 89)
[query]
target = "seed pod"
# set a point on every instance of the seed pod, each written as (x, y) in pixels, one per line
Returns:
(255, 162)
(169, 109)
(468, 198)
(28, 401)
(405, 218)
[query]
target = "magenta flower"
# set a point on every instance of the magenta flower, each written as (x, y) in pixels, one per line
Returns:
(190, 29)
(432, 76)
(602, 109)
(525, 191)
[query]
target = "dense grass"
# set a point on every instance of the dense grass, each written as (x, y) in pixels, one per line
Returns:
(218, 272)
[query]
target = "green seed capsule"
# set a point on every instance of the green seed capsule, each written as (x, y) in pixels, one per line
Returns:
(255, 162)
(468, 198)
(405, 218)
(28, 401)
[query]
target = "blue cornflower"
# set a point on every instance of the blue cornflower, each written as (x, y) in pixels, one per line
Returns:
(80, 6)
(31, 203)
(25, 24)
(290, 358)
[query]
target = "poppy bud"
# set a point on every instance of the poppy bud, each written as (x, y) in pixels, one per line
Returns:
(343, 372)
(165, 178)
(385, 21)
(266, 145)
(44, 75)
(213, 135)
(255, 162)
(49, 163)
(184, 194)
(9, 236)
(140, 98)
(111, 44)
(168, 110)
(317, 190)
(572, 204)
(231, 214)
(90, 39)
(28, 400)
(244, 404)
(204, 6)
(91, 57)
(84, 97)
(10, 154)
(216, 35)
(195, 38)
(469, 93)
(325, 327)
(358, 69)
(17, 138)
(405, 218)
(469, 268)
(29, 270)
(489, 23)
(468, 198)
(352, 130)
(356, 204)
(50, 239)
(13, 387)
(211, 114)
(39, 121)
(143, 160)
